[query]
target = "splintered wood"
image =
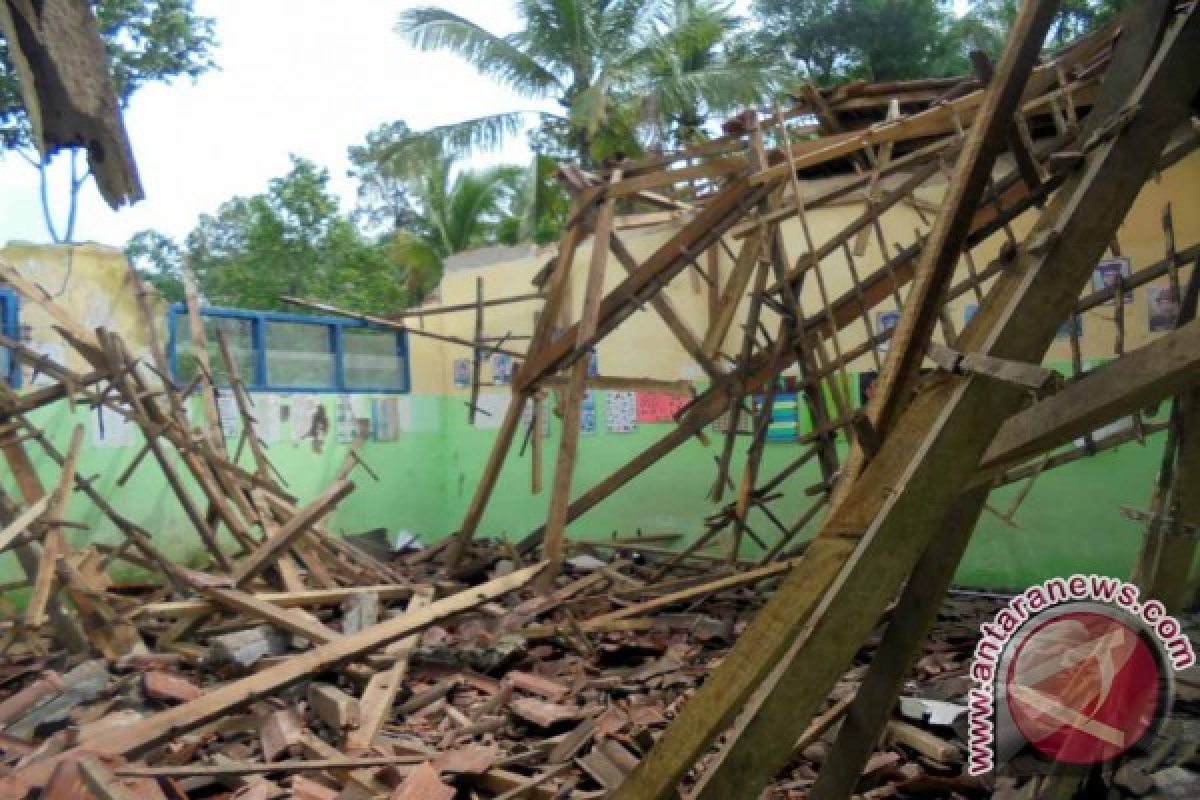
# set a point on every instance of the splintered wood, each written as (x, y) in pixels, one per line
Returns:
(297, 664)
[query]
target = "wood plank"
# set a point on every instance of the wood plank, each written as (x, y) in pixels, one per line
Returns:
(308, 598)
(22, 521)
(940, 255)
(717, 216)
(1141, 378)
(165, 725)
(381, 691)
(296, 526)
(871, 543)
(564, 470)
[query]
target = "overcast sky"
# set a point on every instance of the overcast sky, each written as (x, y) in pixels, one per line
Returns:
(309, 77)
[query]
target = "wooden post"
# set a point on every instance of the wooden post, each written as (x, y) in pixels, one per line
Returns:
(873, 540)
(564, 471)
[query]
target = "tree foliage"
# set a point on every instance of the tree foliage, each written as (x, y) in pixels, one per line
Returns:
(147, 41)
(625, 73)
(886, 40)
(988, 21)
(434, 208)
(876, 40)
(291, 239)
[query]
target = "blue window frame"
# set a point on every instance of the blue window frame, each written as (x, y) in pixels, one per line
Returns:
(10, 323)
(280, 352)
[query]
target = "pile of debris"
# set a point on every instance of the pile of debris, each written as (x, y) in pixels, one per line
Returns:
(493, 690)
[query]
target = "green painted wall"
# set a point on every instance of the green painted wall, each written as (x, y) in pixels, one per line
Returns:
(1069, 522)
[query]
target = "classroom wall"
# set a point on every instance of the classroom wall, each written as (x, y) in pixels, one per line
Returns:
(427, 471)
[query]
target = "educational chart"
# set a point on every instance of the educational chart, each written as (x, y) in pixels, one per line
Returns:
(385, 419)
(587, 417)
(656, 407)
(352, 417)
(267, 410)
(490, 410)
(620, 412)
(230, 415)
(785, 420)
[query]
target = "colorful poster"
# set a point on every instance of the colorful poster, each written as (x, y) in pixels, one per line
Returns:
(384, 419)
(352, 417)
(654, 407)
(784, 425)
(620, 412)
(587, 416)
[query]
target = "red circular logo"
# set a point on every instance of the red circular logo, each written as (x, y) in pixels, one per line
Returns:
(1083, 687)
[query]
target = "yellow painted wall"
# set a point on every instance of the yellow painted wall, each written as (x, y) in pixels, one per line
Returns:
(643, 347)
(91, 282)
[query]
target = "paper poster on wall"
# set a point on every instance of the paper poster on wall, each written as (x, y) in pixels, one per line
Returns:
(353, 417)
(620, 412)
(654, 407)
(502, 369)
(231, 419)
(745, 423)
(462, 373)
(1162, 308)
(785, 421)
(310, 421)
(884, 322)
(384, 419)
(266, 411)
(587, 416)
(1109, 273)
(491, 408)
(110, 429)
(55, 351)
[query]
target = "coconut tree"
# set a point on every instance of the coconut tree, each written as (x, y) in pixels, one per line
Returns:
(619, 70)
(453, 210)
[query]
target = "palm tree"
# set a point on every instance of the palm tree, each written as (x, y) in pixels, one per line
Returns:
(453, 212)
(617, 68)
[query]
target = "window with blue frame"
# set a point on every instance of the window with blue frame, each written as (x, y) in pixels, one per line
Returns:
(280, 352)
(10, 323)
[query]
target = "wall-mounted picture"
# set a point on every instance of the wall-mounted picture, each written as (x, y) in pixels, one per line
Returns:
(885, 321)
(1109, 273)
(502, 369)
(1162, 307)
(462, 373)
